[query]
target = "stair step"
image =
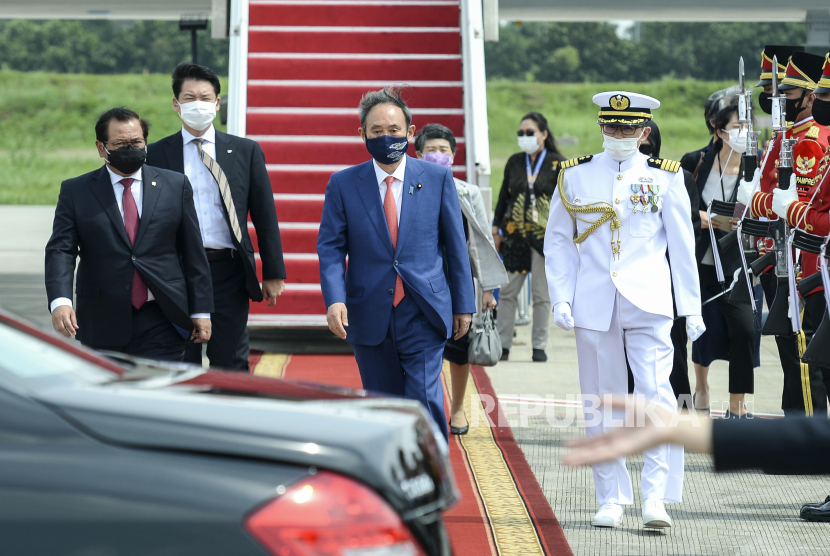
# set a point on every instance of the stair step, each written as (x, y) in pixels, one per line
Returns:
(309, 152)
(295, 239)
(321, 122)
(300, 181)
(365, 40)
(299, 208)
(356, 14)
(297, 299)
(346, 94)
(300, 268)
(264, 66)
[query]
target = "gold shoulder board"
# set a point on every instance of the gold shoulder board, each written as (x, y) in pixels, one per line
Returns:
(576, 161)
(812, 133)
(672, 166)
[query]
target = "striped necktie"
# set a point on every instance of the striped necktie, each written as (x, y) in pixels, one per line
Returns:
(224, 189)
(390, 210)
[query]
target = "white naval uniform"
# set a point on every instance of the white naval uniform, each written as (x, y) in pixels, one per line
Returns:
(623, 305)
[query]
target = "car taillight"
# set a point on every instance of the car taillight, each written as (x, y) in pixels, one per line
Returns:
(331, 515)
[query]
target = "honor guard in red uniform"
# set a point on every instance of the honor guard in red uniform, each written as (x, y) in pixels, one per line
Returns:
(804, 391)
(813, 216)
(803, 73)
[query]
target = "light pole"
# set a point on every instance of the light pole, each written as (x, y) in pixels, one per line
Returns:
(193, 23)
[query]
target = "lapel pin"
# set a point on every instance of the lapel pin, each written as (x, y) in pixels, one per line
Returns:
(154, 184)
(419, 186)
(230, 151)
(411, 189)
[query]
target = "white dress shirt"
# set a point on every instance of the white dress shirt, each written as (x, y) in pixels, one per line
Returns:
(397, 185)
(210, 208)
(118, 190)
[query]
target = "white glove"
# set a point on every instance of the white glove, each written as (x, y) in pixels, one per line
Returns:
(562, 315)
(783, 198)
(695, 327)
(746, 188)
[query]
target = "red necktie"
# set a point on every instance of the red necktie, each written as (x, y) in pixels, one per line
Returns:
(390, 209)
(139, 288)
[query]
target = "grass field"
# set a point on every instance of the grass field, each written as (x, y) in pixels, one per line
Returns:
(48, 118)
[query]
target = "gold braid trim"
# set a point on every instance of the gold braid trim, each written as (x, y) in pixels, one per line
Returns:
(605, 209)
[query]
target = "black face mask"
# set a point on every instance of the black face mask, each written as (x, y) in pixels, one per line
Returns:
(794, 106)
(821, 111)
(127, 160)
(765, 102)
(647, 149)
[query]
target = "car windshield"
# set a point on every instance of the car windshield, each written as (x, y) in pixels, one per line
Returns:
(34, 363)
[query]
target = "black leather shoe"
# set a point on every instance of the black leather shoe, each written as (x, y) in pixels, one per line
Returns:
(821, 513)
(815, 505)
(694, 404)
(505, 354)
(539, 355)
(460, 430)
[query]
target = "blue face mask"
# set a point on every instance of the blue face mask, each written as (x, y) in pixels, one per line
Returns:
(387, 149)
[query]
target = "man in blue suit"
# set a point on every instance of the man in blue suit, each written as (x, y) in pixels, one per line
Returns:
(408, 284)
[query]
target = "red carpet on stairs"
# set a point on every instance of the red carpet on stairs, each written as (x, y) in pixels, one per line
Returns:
(308, 64)
(479, 524)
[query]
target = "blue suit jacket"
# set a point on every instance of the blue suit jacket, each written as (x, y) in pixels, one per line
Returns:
(431, 255)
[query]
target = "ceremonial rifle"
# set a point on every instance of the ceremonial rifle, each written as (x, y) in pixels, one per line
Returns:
(778, 320)
(750, 164)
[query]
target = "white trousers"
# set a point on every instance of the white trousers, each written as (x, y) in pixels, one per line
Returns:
(645, 338)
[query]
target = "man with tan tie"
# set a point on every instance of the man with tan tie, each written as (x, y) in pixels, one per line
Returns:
(229, 180)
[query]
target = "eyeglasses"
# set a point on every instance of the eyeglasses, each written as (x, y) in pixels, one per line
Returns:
(611, 129)
(529, 133)
(137, 143)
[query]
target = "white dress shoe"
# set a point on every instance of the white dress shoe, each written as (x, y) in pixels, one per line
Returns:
(609, 515)
(654, 514)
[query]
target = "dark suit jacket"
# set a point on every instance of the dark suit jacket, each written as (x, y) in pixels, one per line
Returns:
(731, 258)
(244, 165)
(168, 254)
(431, 254)
(798, 445)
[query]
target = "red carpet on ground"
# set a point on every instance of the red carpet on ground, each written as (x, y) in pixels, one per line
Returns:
(469, 524)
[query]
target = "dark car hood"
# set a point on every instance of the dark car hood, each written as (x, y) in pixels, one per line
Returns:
(386, 443)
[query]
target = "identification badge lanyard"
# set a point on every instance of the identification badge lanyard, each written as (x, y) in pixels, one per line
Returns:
(531, 180)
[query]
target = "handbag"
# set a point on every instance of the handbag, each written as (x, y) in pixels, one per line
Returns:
(485, 346)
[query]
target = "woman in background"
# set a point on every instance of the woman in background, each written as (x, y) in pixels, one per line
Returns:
(436, 143)
(716, 172)
(519, 224)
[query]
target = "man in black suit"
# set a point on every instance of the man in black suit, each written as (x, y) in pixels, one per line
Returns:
(229, 178)
(143, 282)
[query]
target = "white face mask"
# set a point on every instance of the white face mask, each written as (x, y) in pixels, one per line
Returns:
(528, 144)
(737, 140)
(198, 114)
(621, 149)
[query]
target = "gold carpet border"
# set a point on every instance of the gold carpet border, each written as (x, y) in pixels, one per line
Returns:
(512, 527)
(272, 365)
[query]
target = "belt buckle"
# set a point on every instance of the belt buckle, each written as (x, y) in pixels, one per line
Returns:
(233, 253)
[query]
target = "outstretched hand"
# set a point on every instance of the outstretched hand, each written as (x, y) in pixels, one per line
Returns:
(647, 425)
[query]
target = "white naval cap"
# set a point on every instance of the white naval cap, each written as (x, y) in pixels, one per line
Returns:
(624, 107)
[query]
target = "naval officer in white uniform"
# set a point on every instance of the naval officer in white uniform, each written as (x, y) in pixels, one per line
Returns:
(613, 219)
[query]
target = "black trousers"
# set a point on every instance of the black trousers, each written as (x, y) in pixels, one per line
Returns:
(800, 382)
(819, 382)
(740, 325)
(154, 337)
(228, 345)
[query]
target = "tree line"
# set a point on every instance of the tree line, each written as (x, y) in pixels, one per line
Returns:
(572, 52)
(596, 52)
(103, 46)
